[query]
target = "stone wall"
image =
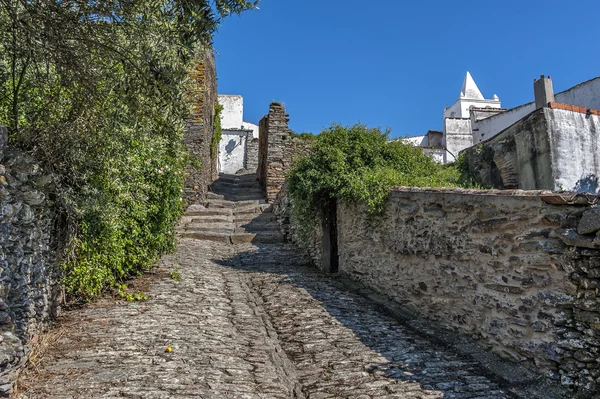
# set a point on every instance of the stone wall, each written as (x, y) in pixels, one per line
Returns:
(28, 293)
(277, 150)
(552, 148)
(252, 155)
(518, 271)
(199, 128)
(273, 159)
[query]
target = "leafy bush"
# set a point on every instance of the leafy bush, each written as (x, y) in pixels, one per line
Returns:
(303, 136)
(360, 164)
(97, 92)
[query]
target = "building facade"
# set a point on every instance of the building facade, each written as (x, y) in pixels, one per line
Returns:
(238, 148)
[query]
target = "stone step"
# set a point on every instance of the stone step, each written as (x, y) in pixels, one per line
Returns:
(247, 181)
(210, 195)
(252, 209)
(262, 237)
(235, 190)
(214, 227)
(209, 219)
(237, 178)
(205, 236)
(252, 226)
(245, 197)
(209, 212)
(255, 217)
(234, 238)
(217, 203)
(205, 229)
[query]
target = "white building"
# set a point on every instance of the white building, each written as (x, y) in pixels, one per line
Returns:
(233, 148)
(473, 118)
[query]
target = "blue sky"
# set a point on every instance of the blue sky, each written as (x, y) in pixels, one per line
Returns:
(397, 64)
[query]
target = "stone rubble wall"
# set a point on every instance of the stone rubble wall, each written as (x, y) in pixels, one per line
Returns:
(517, 270)
(310, 243)
(273, 158)
(199, 128)
(252, 155)
(29, 293)
(277, 150)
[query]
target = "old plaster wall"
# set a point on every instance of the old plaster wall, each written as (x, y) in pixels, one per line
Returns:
(232, 115)
(574, 138)
(506, 267)
(28, 290)
(586, 94)
(457, 136)
(232, 150)
(551, 148)
(199, 128)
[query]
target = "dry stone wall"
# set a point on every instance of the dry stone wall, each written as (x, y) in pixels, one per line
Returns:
(28, 292)
(199, 128)
(252, 155)
(517, 270)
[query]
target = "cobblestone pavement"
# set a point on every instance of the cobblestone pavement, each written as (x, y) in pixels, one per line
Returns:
(247, 319)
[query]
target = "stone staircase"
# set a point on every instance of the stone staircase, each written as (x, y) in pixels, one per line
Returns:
(234, 212)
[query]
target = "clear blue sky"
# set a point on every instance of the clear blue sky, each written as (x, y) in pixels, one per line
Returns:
(396, 64)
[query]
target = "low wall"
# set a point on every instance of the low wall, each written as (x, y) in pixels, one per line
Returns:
(506, 267)
(28, 293)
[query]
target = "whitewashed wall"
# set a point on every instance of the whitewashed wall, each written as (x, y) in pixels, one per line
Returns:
(251, 127)
(232, 151)
(586, 94)
(232, 116)
(489, 127)
(461, 107)
(575, 139)
(458, 136)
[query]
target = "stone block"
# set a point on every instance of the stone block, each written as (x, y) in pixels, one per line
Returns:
(590, 222)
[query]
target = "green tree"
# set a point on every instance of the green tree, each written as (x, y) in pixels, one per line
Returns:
(96, 90)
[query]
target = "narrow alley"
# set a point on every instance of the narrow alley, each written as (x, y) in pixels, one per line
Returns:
(248, 318)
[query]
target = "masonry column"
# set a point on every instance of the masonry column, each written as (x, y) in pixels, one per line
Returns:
(274, 159)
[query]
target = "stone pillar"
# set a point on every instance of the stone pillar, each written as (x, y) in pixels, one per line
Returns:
(544, 92)
(274, 157)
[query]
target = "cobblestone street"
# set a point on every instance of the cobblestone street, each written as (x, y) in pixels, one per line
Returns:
(249, 318)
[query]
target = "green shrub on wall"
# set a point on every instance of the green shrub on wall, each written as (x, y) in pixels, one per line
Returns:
(359, 164)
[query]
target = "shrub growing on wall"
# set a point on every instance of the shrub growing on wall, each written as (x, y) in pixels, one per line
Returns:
(359, 164)
(96, 91)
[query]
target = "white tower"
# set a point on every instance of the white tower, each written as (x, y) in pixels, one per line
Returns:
(470, 96)
(458, 132)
